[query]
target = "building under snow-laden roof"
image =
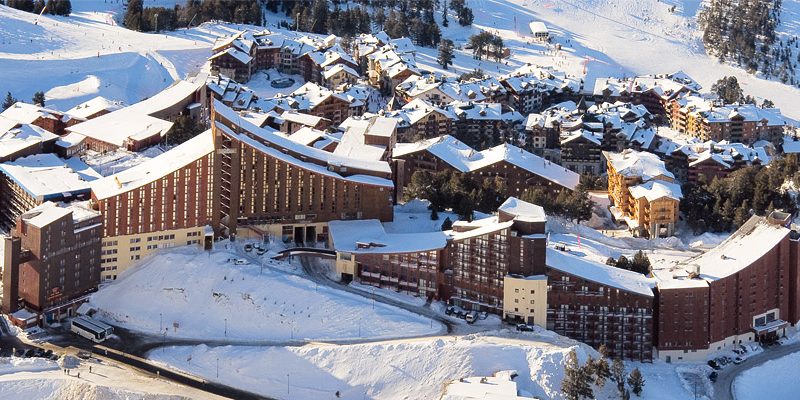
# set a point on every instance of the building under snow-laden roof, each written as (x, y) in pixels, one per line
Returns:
(142, 124)
(32, 180)
(653, 91)
(708, 119)
(23, 113)
(519, 168)
(643, 192)
(742, 291)
(24, 140)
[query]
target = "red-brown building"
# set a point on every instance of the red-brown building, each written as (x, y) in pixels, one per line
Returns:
(739, 292)
(291, 191)
(52, 260)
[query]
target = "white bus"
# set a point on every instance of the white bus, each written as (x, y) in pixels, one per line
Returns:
(91, 329)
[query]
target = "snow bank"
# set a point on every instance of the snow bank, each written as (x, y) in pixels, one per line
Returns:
(194, 294)
(10, 365)
(68, 389)
(752, 383)
(406, 369)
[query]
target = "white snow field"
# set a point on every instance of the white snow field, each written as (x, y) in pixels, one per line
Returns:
(105, 382)
(208, 297)
(754, 383)
(404, 369)
(602, 38)
(73, 59)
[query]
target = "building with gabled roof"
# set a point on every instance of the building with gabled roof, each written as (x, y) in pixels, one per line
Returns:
(643, 192)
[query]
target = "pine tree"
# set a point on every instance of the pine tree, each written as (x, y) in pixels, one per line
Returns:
(445, 22)
(133, 16)
(641, 263)
(636, 382)
(446, 56)
(447, 224)
(9, 101)
(38, 5)
(434, 214)
(38, 99)
(570, 384)
(602, 371)
(618, 375)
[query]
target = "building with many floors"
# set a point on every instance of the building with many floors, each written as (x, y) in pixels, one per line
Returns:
(52, 259)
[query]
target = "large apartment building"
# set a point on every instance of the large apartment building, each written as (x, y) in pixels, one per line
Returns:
(164, 202)
(286, 190)
(52, 260)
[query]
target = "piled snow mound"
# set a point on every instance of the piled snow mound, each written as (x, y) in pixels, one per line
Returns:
(751, 384)
(195, 294)
(64, 389)
(10, 365)
(403, 369)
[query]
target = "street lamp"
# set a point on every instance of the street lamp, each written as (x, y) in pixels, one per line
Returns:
(217, 367)
(226, 327)
(156, 22)
(160, 322)
(287, 383)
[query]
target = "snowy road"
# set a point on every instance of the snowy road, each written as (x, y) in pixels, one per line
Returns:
(723, 388)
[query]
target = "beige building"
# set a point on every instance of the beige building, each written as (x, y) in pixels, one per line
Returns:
(643, 193)
(525, 299)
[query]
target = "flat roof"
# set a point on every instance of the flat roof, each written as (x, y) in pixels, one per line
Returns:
(347, 235)
(155, 168)
(46, 176)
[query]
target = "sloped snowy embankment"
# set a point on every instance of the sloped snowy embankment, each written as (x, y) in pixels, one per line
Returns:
(207, 297)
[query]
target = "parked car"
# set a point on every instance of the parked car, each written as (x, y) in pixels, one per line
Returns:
(483, 315)
(242, 261)
(84, 355)
(450, 310)
(524, 328)
(713, 376)
(248, 247)
(739, 351)
(261, 252)
(471, 317)
(738, 360)
(714, 364)
(461, 314)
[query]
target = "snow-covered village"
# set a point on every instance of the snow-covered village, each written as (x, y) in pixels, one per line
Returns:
(399, 199)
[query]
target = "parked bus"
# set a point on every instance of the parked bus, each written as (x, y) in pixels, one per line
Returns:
(91, 329)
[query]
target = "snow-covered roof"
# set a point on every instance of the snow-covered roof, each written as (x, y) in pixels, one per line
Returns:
(465, 159)
(237, 54)
(48, 212)
(25, 113)
(656, 189)
(469, 229)
(46, 176)
(522, 210)
(606, 275)
(136, 121)
(94, 106)
(70, 139)
(665, 86)
(749, 243)
(332, 70)
(301, 118)
(537, 27)
(501, 386)
(22, 137)
(308, 136)
(369, 236)
(155, 168)
(643, 164)
(354, 144)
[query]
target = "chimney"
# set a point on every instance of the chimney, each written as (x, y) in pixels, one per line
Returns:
(119, 184)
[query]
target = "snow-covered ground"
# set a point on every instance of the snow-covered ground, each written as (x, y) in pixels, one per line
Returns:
(39, 379)
(406, 369)
(210, 298)
(73, 59)
(601, 38)
(403, 369)
(760, 382)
